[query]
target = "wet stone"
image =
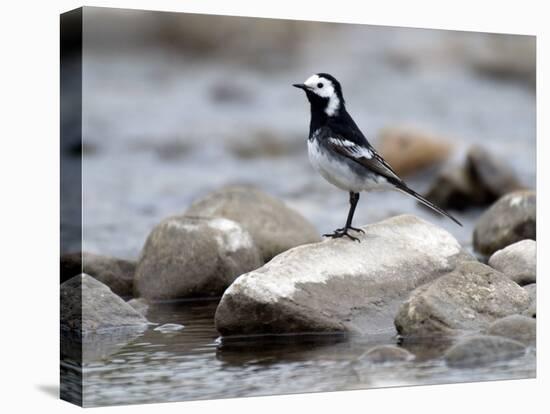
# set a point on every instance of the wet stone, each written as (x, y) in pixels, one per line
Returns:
(480, 350)
(520, 328)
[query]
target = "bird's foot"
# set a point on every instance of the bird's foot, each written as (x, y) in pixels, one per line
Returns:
(338, 233)
(343, 229)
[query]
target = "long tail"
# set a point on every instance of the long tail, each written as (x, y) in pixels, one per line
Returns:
(404, 189)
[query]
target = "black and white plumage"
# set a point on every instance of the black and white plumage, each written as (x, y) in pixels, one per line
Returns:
(339, 151)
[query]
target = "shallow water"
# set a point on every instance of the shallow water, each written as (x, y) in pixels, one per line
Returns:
(195, 363)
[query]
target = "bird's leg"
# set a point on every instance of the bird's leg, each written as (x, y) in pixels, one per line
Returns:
(353, 200)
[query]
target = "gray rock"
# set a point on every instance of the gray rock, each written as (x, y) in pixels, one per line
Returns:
(139, 304)
(455, 188)
(532, 309)
(511, 219)
(273, 226)
(517, 327)
(469, 298)
(480, 180)
(532, 290)
(517, 261)
(118, 274)
(88, 305)
(193, 257)
(493, 177)
(387, 353)
(340, 285)
(482, 350)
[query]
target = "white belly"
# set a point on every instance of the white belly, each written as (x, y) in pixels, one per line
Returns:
(339, 173)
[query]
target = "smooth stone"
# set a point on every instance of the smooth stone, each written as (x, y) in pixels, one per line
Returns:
(517, 261)
(274, 227)
(409, 150)
(511, 219)
(520, 328)
(532, 309)
(479, 181)
(455, 188)
(467, 299)
(187, 257)
(494, 177)
(339, 285)
(87, 305)
(387, 353)
(169, 327)
(116, 273)
(481, 350)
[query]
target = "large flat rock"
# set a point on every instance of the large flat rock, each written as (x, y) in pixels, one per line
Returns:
(340, 285)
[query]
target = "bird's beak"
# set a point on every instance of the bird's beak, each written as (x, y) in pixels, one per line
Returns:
(300, 86)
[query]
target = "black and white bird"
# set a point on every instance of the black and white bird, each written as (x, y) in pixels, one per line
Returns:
(339, 151)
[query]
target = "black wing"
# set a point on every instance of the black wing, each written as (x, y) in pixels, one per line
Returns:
(364, 154)
(357, 148)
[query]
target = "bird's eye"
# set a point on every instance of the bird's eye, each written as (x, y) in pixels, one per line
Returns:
(319, 85)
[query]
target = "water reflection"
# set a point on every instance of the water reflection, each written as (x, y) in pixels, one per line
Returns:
(195, 363)
(95, 347)
(283, 348)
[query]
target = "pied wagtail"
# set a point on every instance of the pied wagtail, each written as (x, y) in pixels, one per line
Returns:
(339, 151)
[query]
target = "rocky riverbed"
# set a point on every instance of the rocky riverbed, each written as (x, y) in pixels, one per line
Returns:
(406, 295)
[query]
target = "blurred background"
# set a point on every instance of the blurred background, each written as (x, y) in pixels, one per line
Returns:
(177, 105)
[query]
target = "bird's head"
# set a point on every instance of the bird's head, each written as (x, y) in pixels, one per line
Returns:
(324, 93)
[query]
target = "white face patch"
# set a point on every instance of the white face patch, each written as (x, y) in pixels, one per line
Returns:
(326, 91)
